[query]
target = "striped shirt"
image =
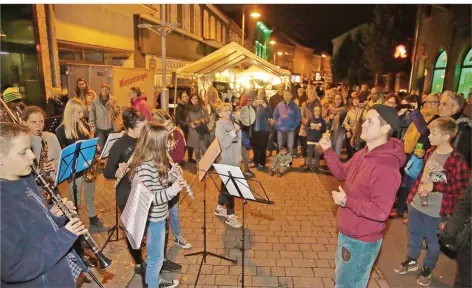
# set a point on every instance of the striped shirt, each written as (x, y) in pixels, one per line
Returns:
(149, 176)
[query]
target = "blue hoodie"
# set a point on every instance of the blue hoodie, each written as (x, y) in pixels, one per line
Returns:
(33, 253)
(287, 117)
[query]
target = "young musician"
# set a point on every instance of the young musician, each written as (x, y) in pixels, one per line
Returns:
(119, 155)
(12, 98)
(70, 131)
(44, 144)
(36, 246)
(152, 165)
(177, 153)
(229, 137)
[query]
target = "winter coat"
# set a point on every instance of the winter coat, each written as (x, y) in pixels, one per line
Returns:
(287, 117)
(193, 115)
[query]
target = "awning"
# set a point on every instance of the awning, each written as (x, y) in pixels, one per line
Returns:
(227, 57)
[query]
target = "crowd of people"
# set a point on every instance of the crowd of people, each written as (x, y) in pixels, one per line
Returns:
(406, 156)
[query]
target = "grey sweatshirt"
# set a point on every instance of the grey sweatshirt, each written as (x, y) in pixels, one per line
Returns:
(230, 146)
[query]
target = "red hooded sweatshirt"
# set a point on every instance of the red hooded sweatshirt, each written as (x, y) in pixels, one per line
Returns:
(140, 105)
(371, 182)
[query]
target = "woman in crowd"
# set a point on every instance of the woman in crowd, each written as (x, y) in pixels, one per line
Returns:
(181, 117)
(392, 100)
(334, 115)
(197, 119)
(139, 102)
(260, 136)
(85, 94)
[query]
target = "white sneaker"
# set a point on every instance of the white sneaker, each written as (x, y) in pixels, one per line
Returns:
(181, 242)
(232, 221)
(168, 283)
(221, 212)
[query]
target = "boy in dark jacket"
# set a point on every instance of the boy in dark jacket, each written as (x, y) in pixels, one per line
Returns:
(36, 246)
(315, 129)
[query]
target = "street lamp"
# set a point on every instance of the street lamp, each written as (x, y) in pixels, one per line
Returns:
(272, 42)
(254, 15)
(275, 55)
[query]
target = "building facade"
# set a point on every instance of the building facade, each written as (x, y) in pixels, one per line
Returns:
(442, 54)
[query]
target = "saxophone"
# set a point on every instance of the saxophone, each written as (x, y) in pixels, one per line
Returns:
(43, 159)
(90, 175)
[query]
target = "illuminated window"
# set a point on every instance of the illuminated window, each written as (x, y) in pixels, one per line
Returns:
(465, 82)
(197, 18)
(439, 73)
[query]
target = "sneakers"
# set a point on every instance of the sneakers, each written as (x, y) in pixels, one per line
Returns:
(221, 212)
(96, 225)
(163, 283)
(425, 276)
(406, 266)
(170, 266)
(232, 221)
(271, 172)
(182, 243)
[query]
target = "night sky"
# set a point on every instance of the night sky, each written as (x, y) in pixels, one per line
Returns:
(315, 25)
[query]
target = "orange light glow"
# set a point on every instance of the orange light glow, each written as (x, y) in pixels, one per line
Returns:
(400, 52)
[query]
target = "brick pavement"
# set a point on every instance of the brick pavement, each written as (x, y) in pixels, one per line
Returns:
(289, 244)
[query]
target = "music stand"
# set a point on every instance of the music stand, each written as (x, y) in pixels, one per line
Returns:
(76, 158)
(237, 186)
(51, 123)
(205, 162)
(112, 138)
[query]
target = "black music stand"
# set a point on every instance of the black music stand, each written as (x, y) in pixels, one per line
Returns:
(51, 123)
(237, 186)
(76, 158)
(112, 138)
(204, 252)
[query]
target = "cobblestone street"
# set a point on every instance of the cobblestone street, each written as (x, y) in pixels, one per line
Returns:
(289, 244)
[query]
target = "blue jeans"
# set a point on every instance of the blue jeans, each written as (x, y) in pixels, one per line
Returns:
(354, 261)
(156, 234)
(174, 219)
(421, 226)
(286, 138)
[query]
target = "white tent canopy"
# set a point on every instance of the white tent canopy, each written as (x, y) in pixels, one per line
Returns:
(227, 57)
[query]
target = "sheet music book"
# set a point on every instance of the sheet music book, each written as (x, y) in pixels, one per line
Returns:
(224, 170)
(135, 214)
(110, 141)
(208, 158)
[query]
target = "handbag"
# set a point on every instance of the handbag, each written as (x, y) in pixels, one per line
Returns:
(413, 167)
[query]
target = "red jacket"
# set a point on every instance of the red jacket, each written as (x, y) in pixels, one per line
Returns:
(140, 105)
(372, 180)
(457, 175)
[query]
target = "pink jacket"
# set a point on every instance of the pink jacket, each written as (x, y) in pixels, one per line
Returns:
(140, 105)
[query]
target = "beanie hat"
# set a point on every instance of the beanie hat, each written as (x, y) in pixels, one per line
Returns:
(389, 114)
(11, 94)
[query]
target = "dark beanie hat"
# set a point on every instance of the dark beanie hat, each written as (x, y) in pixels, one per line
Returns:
(389, 114)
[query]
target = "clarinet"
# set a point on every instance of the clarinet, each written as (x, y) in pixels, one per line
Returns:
(179, 170)
(57, 200)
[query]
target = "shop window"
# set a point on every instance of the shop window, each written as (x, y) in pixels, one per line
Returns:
(70, 55)
(212, 28)
(94, 57)
(465, 82)
(206, 24)
(439, 73)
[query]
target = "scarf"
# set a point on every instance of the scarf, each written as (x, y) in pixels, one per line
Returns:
(412, 135)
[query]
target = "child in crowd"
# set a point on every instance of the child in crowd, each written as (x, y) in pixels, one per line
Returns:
(315, 128)
(433, 198)
(229, 137)
(281, 162)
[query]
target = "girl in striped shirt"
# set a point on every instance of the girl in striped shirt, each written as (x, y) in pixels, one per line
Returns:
(151, 165)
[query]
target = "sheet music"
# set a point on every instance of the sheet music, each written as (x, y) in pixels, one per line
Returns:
(224, 170)
(208, 158)
(110, 141)
(135, 214)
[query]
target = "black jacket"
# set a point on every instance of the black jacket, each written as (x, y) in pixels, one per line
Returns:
(455, 223)
(462, 141)
(181, 116)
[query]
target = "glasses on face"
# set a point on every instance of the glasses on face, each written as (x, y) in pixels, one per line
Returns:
(432, 102)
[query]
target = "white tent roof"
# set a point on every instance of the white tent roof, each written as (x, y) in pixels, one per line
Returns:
(227, 57)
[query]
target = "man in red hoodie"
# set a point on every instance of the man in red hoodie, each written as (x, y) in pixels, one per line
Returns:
(139, 103)
(372, 177)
